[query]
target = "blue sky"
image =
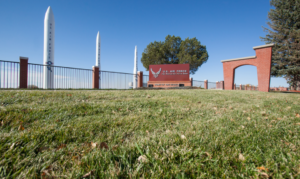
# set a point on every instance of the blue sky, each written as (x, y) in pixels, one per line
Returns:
(228, 28)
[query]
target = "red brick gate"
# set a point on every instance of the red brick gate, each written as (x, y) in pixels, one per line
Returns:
(262, 61)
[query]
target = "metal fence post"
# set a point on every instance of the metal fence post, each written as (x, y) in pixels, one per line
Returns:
(23, 72)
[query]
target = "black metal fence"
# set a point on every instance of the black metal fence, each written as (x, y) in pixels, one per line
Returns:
(63, 77)
(9, 74)
(199, 84)
(115, 80)
(243, 87)
(70, 78)
(145, 80)
(246, 87)
(60, 77)
(211, 85)
(35, 76)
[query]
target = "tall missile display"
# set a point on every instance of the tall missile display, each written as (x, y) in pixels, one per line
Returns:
(98, 50)
(49, 36)
(135, 68)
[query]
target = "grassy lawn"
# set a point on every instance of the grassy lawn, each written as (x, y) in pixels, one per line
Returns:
(149, 134)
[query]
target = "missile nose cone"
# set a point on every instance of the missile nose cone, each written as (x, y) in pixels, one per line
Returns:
(49, 10)
(49, 14)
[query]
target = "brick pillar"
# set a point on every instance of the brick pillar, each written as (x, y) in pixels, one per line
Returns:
(95, 77)
(140, 79)
(23, 72)
(222, 84)
(205, 84)
(240, 86)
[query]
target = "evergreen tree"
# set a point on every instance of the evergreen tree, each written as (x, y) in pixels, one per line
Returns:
(175, 51)
(285, 34)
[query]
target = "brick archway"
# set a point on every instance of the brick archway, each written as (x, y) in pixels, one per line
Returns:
(262, 61)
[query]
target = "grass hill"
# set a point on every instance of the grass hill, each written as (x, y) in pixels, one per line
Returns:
(149, 134)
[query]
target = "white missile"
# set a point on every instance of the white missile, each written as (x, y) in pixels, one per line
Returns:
(135, 68)
(98, 50)
(49, 36)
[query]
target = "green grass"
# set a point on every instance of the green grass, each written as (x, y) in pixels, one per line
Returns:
(178, 133)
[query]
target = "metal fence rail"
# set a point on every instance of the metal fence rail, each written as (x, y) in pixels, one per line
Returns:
(71, 78)
(115, 80)
(35, 76)
(9, 74)
(211, 85)
(63, 77)
(198, 83)
(145, 80)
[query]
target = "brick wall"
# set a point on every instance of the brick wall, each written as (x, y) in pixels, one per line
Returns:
(263, 63)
